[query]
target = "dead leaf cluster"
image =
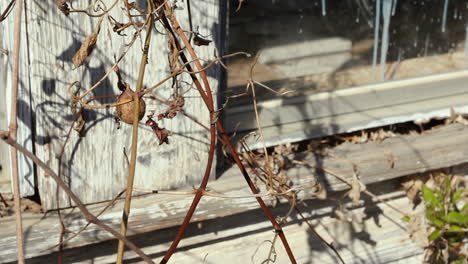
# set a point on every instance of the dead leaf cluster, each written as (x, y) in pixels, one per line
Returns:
(175, 105)
(369, 136)
(412, 186)
(161, 133)
(456, 118)
(7, 208)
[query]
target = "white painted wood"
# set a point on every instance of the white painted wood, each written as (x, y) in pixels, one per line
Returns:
(377, 233)
(302, 117)
(5, 179)
(95, 165)
(24, 132)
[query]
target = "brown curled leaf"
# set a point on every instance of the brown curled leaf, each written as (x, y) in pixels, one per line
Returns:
(80, 125)
(87, 47)
(199, 41)
(161, 133)
(63, 6)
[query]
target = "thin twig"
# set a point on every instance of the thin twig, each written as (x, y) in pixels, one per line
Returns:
(189, 14)
(7, 11)
(13, 131)
(4, 51)
(105, 11)
(259, 127)
(136, 112)
(87, 224)
(272, 251)
(220, 195)
(57, 193)
(311, 227)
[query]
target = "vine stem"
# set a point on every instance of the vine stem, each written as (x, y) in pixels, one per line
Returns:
(13, 131)
(136, 110)
(207, 98)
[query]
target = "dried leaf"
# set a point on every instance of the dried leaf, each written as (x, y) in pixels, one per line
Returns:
(87, 47)
(412, 186)
(117, 26)
(418, 231)
(456, 118)
(355, 192)
(63, 6)
(161, 133)
(176, 105)
(80, 125)
(390, 160)
(120, 82)
(199, 41)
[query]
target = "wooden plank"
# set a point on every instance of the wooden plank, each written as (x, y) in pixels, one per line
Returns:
(24, 132)
(95, 165)
(347, 110)
(5, 179)
(377, 234)
(439, 148)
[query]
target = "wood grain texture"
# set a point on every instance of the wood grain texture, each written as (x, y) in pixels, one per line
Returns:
(95, 165)
(377, 235)
(24, 132)
(439, 148)
(5, 173)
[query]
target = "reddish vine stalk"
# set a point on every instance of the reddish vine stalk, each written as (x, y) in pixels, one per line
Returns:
(208, 99)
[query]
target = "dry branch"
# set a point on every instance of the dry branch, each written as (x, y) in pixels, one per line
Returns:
(136, 118)
(13, 129)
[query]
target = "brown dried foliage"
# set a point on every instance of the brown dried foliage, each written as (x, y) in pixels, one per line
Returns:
(63, 6)
(86, 47)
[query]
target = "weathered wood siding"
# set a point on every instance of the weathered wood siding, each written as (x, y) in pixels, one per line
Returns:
(412, 154)
(24, 136)
(95, 166)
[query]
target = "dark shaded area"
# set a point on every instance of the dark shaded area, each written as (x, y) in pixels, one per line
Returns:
(48, 86)
(67, 55)
(267, 23)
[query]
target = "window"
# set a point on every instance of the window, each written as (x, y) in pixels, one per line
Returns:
(390, 52)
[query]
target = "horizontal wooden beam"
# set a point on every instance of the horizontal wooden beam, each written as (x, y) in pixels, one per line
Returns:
(243, 236)
(310, 116)
(375, 162)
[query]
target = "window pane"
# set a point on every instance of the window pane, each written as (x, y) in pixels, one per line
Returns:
(326, 45)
